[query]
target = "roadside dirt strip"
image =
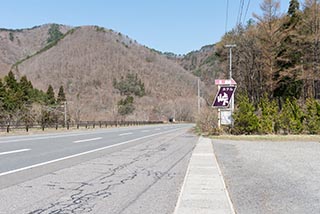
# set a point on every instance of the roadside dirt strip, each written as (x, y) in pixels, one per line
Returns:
(145, 178)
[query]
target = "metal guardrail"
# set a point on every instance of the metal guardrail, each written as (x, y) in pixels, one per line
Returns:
(8, 127)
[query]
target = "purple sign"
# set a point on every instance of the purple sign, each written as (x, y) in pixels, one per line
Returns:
(223, 96)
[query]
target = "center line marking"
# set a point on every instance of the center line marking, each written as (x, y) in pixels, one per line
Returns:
(15, 151)
(129, 133)
(87, 140)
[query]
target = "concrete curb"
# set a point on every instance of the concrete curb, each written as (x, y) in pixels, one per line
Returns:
(204, 190)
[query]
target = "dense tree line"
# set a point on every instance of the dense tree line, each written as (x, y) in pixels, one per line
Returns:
(278, 56)
(20, 102)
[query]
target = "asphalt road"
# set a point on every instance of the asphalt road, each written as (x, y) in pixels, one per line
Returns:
(271, 177)
(124, 170)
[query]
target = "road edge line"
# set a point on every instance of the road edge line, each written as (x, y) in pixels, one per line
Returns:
(184, 182)
(223, 182)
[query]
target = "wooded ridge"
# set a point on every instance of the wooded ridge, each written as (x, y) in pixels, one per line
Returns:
(86, 60)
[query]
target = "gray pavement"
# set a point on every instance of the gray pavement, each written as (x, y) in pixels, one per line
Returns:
(143, 177)
(204, 190)
(270, 177)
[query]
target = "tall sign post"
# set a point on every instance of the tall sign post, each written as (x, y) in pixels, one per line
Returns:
(230, 76)
(223, 100)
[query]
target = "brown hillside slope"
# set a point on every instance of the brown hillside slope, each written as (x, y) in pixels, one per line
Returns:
(202, 63)
(87, 60)
(18, 44)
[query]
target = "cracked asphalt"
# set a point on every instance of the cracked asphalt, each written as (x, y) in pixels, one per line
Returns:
(144, 178)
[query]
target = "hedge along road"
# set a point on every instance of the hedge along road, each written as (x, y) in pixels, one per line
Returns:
(271, 177)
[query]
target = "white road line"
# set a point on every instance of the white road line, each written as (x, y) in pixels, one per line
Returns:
(157, 129)
(145, 131)
(43, 138)
(87, 140)
(124, 134)
(85, 153)
(15, 151)
(54, 136)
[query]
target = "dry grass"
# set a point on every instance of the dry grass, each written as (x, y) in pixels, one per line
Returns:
(300, 138)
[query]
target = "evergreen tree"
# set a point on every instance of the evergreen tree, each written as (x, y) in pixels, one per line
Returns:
(54, 33)
(312, 116)
(61, 95)
(245, 119)
(291, 117)
(11, 82)
(26, 88)
(293, 8)
(2, 91)
(125, 106)
(268, 117)
(14, 96)
(131, 85)
(2, 99)
(51, 100)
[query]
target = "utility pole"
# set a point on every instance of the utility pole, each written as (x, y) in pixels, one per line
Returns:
(199, 96)
(230, 77)
(65, 113)
(230, 62)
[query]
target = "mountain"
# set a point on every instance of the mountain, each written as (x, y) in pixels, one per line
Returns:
(202, 63)
(87, 59)
(18, 44)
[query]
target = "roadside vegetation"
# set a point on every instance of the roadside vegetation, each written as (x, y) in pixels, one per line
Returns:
(276, 64)
(20, 102)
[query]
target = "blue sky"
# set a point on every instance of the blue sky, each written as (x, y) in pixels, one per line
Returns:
(178, 26)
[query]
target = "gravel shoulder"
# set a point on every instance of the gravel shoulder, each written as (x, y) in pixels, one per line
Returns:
(271, 176)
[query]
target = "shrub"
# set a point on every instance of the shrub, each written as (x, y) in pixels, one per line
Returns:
(125, 106)
(291, 117)
(268, 115)
(245, 119)
(207, 122)
(312, 116)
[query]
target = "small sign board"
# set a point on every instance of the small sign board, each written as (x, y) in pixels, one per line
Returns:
(226, 117)
(223, 96)
(225, 82)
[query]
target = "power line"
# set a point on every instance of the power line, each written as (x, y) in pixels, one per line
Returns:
(240, 11)
(247, 9)
(227, 15)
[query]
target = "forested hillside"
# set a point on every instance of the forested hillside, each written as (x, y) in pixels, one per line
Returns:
(87, 60)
